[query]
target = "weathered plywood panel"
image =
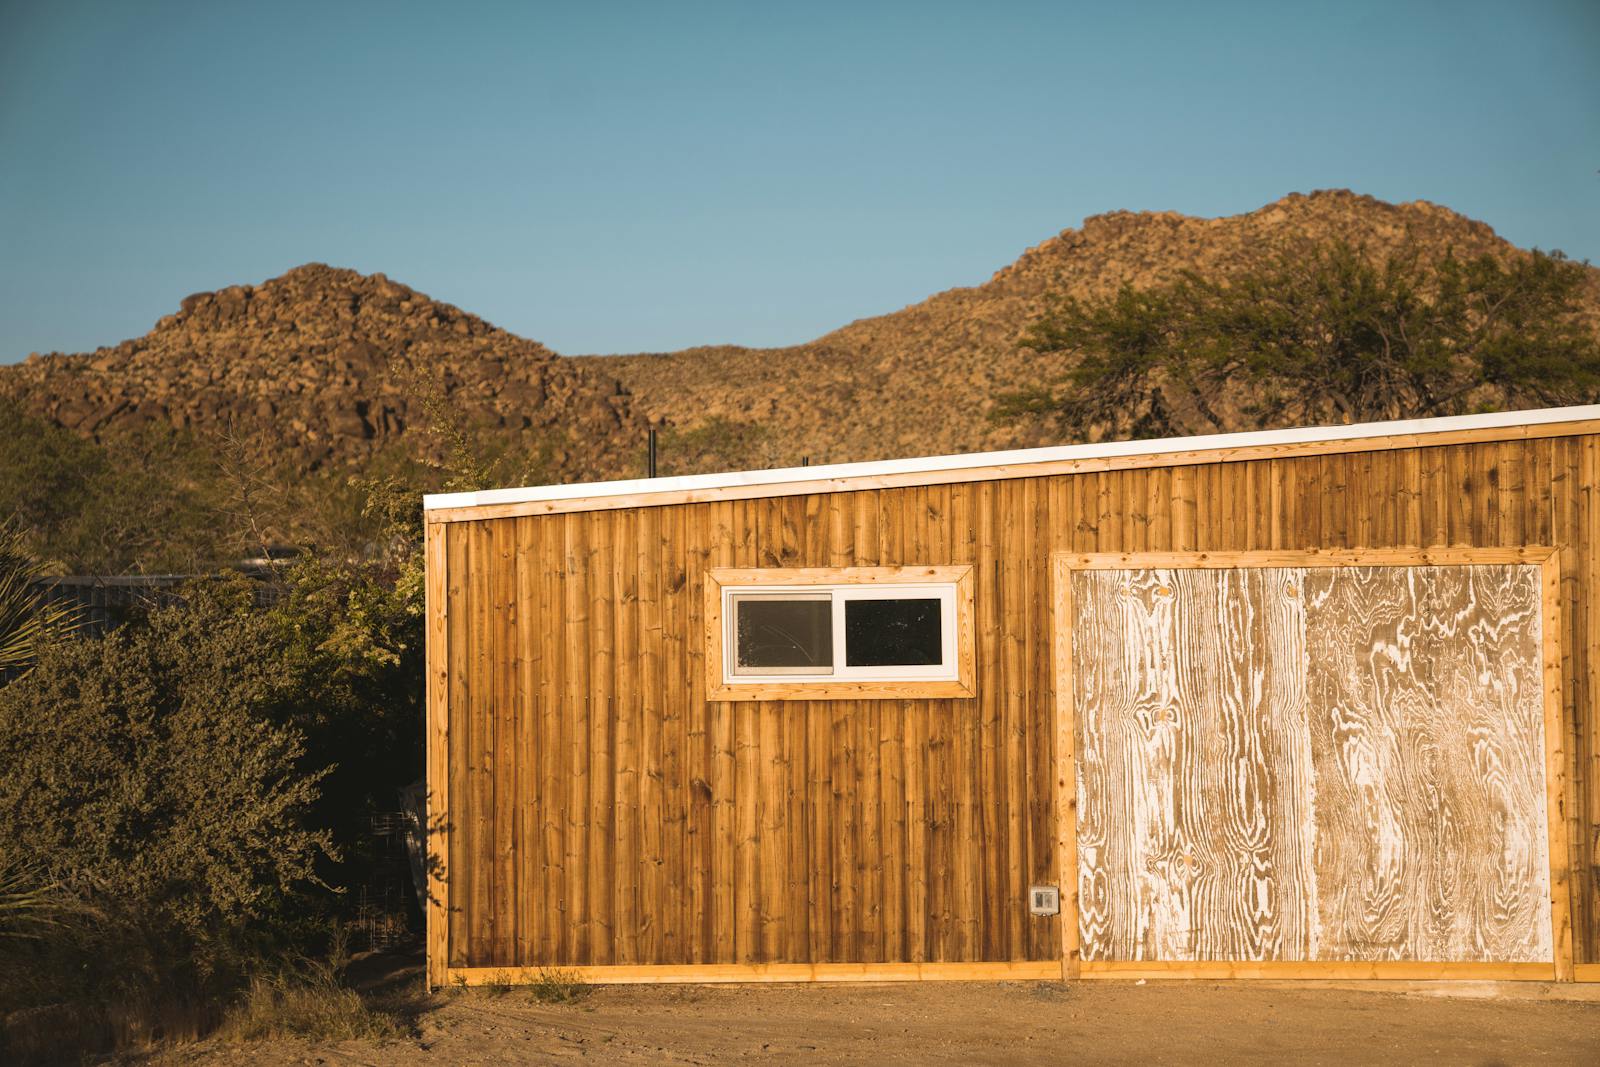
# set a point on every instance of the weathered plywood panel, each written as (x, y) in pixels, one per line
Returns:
(1193, 759)
(1424, 699)
(1311, 764)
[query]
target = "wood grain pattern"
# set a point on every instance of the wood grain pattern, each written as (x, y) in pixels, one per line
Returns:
(913, 827)
(1301, 764)
(1425, 695)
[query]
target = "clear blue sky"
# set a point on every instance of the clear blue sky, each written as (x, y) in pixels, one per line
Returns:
(609, 177)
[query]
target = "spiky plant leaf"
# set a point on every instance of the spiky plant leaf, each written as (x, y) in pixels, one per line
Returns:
(27, 616)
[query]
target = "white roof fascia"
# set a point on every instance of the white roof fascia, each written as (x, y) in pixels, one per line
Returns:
(1011, 457)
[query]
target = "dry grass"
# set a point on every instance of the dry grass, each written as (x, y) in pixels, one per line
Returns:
(309, 1002)
(553, 985)
(549, 985)
(499, 985)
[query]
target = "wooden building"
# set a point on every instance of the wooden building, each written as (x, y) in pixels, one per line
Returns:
(1312, 703)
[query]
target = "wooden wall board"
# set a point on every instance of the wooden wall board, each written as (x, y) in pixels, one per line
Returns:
(1242, 865)
(1066, 772)
(923, 849)
(453, 832)
(1560, 798)
(436, 727)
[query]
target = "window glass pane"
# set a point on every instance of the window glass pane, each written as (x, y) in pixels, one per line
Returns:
(888, 633)
(777, 634)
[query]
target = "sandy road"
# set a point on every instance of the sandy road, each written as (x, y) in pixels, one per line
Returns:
(972, 1024)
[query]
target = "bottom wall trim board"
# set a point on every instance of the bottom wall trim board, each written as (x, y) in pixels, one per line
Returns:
(1586, 972)
(1027, 970)
(714, 973)
(1326, 970)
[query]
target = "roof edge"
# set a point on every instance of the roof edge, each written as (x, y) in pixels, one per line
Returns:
(571, 493)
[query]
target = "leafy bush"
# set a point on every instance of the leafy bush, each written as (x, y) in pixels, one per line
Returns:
(350, 634)
(162, 501)
(186, 802)
(156, 778)
(154, 769)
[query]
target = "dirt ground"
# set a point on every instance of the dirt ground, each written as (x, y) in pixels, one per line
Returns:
(966, 1023)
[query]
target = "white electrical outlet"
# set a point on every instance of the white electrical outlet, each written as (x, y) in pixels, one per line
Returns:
(1044, 900)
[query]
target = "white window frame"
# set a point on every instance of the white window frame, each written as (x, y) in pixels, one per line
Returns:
(731, 669)
(952, 586)
(947, 669)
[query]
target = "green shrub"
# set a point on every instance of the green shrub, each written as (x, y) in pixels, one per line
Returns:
(187, 801)
(147, 502)
(557, 985)
(720, 444)
(153, 770)
(350, 632)
(156, 778)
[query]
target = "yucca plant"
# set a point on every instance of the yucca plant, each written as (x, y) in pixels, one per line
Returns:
(29, 903)
(27, 616)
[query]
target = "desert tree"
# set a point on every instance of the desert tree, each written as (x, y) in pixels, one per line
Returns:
(1331, 333)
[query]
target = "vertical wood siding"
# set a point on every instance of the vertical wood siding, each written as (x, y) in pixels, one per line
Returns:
(601, 811)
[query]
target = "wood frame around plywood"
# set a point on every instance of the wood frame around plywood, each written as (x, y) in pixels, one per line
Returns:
(1546, 558)
(720, 578)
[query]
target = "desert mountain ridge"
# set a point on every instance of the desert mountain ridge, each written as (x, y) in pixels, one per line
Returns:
(922, 380)
(325, 366)
(329, 367)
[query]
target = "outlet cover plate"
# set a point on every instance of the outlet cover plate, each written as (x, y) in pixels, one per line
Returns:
(1044, 900)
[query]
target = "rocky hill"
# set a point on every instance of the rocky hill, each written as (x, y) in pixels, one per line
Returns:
(327, 367)
(922, 380)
